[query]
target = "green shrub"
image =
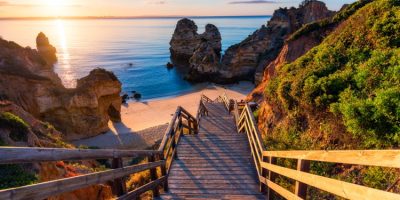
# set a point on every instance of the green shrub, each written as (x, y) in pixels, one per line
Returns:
(354, 73)
(15, 176)
(18, 127)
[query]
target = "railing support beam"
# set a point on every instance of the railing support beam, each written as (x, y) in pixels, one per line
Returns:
(118, 185)
(153, 175)
(272, 176)
(301, 188)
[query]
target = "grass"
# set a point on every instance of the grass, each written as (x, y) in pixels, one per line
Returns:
(18, 127)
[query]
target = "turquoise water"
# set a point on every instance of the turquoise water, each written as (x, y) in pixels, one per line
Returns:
(136, 50)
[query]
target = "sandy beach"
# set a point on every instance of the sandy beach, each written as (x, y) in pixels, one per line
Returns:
(140, 117)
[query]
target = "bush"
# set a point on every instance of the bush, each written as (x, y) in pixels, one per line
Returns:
(15, 176)
(354, 73)
(18, 127)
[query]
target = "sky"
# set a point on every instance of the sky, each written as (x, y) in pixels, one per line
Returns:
(59, 8)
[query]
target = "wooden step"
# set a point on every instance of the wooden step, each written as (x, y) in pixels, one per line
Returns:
(213, 181)
(210, 197)
(213, 191)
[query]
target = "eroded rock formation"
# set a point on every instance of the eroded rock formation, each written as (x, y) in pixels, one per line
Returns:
(46, 50)
(37, 133)
(27, 80)
(248, 59)
(184, 41)
(195, 51)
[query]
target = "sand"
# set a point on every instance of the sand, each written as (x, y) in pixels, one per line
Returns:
(151, 116)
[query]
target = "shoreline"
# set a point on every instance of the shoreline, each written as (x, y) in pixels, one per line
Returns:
(139, 115)
(144, 122)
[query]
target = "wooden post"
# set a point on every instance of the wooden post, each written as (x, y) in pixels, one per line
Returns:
(301, 188)
(164, 173)
(118, 185)
(195, 126)
(190, 126)
(264, 173)
(272, 177)
(153, 176)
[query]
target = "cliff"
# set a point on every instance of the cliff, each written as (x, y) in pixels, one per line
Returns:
(331, 96)
(28, 80)
(20, 128)
(248, 59)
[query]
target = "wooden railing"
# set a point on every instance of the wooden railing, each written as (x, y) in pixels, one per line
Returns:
(182, 123)
(44, 190)
(268, 169)
(225, 100)
(202, 110)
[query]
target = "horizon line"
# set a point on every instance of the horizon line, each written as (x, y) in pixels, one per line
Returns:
(127, 17)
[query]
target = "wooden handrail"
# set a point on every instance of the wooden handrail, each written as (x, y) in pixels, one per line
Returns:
(380, 158)
(51, 188)
(14, 155)
(267, 169)
(181, 121)
(337, 187)
(225, 100)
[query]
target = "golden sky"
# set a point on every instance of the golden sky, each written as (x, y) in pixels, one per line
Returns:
(54, 8)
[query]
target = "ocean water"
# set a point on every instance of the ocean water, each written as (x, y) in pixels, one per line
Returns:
(136, 50)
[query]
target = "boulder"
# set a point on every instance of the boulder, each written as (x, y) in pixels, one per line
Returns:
(78, 113)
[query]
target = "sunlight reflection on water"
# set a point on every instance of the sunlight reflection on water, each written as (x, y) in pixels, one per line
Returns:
(136, 50)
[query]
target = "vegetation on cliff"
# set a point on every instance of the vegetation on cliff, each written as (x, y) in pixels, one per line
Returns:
(342, 94)
(353, 77)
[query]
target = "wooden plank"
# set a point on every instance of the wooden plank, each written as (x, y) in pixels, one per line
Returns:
(280, 190)
(382, 158)
(340, 188)
(14, 155)
(51, 188)
(147, 187)
(301, 188)
(212, 191)
(153, 176)
(118, 185)
(169, 129)
(254, 128)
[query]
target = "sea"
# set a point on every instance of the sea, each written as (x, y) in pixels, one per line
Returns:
(135, 49)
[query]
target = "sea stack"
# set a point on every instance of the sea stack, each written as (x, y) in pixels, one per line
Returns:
(184, 41)
(198, 54)
(45, 49)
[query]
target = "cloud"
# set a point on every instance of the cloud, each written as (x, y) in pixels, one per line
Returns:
(159, 2)
(4, 3)
(253, 2)
(8, 4)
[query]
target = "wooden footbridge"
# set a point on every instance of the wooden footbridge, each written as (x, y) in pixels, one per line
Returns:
(216, 155)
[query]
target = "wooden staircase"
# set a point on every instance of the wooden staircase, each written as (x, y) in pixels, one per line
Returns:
(216, 163)
(214, 155)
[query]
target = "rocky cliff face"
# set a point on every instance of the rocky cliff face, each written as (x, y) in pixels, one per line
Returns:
(248, 59)
(45, 49)
(20, 128)
(189, 49)
(291, 50)
(27, 79)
